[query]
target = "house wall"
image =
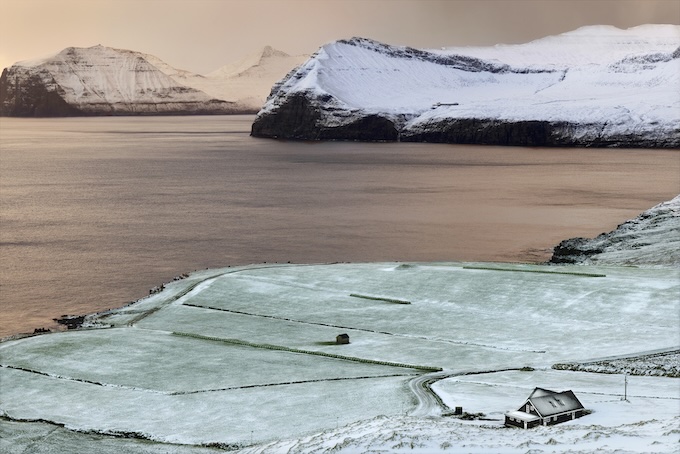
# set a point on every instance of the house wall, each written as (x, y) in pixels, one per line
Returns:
(563, 418)
(531, 410)
(520, 424)
(512, 422)
(545, 421)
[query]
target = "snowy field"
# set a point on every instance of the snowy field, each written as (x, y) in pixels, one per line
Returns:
(246, 358)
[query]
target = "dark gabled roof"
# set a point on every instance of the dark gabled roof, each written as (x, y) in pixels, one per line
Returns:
(538, 392)
(555, 403)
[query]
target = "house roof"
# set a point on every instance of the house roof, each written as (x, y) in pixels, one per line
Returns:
(522, 416)
(538, 392)
(555, 403)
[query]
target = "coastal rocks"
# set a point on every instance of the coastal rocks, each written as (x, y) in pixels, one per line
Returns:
(71, 321)
(304, 116)
(32, 98)
(530, 133)
(576, 250)
(485, 132)
(652, 238)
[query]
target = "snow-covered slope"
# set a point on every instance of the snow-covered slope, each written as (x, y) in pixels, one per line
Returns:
(652, 238)
(596, 86)
(104, 81)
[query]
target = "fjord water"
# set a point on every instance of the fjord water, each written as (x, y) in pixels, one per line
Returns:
(95, 211)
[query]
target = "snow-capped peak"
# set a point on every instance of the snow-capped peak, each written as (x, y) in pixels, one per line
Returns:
(259, 58)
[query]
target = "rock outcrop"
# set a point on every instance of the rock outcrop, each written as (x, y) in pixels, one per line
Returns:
(652, 238)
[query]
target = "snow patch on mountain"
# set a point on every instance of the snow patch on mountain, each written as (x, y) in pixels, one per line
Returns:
(597, 86)
(589, 45)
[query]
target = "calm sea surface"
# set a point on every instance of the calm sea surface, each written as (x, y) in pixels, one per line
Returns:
(96, 211)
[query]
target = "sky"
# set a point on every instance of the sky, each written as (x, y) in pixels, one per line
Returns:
(203, 35)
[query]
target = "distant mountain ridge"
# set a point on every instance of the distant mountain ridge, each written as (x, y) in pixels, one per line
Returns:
(101, 80)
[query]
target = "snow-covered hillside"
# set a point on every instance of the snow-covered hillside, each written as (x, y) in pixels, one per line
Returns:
(246, 357)
(595, 86)
(652, 238)
(104, 81)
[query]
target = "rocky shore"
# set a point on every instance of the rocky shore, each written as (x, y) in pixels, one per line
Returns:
(652, 238)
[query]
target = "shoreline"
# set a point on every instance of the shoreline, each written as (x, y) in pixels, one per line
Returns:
(75, 322)
(70, 321)
(359, 203)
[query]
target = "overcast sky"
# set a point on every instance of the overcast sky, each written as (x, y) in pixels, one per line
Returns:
(202, 35)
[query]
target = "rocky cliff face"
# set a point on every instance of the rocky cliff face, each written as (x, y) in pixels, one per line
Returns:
(32, 95)
(306, 117)
(598, 86)
(652, 238)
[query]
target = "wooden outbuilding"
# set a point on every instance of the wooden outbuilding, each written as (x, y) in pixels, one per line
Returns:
(342, 339)
(545, 407)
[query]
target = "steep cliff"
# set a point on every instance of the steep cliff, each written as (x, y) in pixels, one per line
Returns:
(597, 86)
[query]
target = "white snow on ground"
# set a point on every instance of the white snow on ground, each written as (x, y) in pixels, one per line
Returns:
(646, 423)
(245, 357)
(627, 80)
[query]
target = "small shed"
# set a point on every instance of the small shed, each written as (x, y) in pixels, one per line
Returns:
(545, 407)
(342, 339)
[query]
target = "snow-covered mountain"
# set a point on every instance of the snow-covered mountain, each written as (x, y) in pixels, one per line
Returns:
(104, 81)
(595, 86)
(652, 238)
